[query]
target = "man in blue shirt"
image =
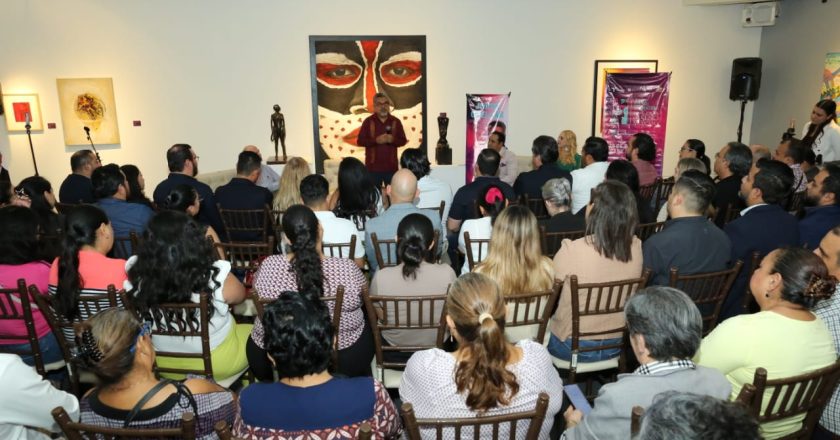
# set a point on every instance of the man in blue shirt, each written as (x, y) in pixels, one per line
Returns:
(110, 188)
(823, 201)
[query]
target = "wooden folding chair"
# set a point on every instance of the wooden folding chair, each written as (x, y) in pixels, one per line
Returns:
(707, 290)
(341, 250)
(81, 431)
(537, 206)
(645, 230)
(663, 191)
(389, 247)
(247, 225)
(732, 212)
(439, 209)
(245, 258)
(551, 241)
(528, 313)
(648, 192)
(125, 247)
(636, 419)
(16, 306)
(479, 253)
(795, 202)
(748, 301)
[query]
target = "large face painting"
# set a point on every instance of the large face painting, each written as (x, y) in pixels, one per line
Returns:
(347, 72)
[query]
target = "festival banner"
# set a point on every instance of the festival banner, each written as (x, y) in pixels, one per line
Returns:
(831, 77)
(634, 103)
(486, 113)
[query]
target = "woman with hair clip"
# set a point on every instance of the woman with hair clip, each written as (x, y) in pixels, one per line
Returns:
(174, 264)
(822, 134)
(695, 148)
(308, 401)
(36, 193)
(610, 251)
(785, 337)
(305, 269)
(289, 193)
(136, 186)
(491, 201)
(117, 348)
(515, 260)
(184, 198)
(486, 375)
(569, 158)
(357, 197)
(417, 274)
(83, 266)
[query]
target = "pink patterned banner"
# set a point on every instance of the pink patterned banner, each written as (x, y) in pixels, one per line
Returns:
(486, 113)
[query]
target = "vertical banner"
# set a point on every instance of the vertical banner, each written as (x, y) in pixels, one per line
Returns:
(633, 103)
(831, 77)
(486, 113)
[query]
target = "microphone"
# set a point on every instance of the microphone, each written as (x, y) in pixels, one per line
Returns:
(27, 118)
(87, 130)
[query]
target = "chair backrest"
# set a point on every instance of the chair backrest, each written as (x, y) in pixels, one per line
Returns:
(439, 209)
(81, 431)
(636, 419)
(796, 201)
(482, 246)
(184, 320)
(241, 223)
(805, 394)
(732, 212)
(403, 313)
(645, 230)
(707, 290)
(528, 313)
(15, 306)
(484, 427)
(663, 190)
(648, 192)
(537, 206)
(389, 247)
(341, 250)
(245, 258)
(551, 241)
(749, 301)
(125, 247)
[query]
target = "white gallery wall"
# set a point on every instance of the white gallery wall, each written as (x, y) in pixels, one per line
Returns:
(208, 72)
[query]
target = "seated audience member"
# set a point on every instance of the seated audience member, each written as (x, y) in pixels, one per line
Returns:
(544, 159)
(402, 191)
(314, 190)
(689, 416)
(432, 190)
(490, 203)
(269, 179)
(822, 212)
(641, 152)
(486, 375)
(684, 164)
(760, 152)
(732, 163)
(696, 149)
(595, 152)
(183, 167)
(626, 173)
(568, 159)
(111, 191)
(28, 400)
(416, 275)
(116, 347)
(557, 196)
(242, 192)
(791, 152)
(689, 241)
(463, 203)
(288, 193)
(763, 225)
(610, 251)
(515, 261)
(508, 165)
(305, 269)
(665, 330)
(83, 267)
(357, 198)
(308, 402)
(785, 338)
(136, 186)
(20, 258)
(36, 193)
(184, 198)
(174, 264)
(77, 187)
(809, 164)
(829, 311)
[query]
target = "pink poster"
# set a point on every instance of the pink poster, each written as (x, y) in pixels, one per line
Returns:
(486, 113)
(634, 103)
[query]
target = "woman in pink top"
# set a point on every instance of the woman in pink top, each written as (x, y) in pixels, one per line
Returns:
(20, 259)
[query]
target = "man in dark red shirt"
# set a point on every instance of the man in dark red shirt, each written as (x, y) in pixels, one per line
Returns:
(381, 134)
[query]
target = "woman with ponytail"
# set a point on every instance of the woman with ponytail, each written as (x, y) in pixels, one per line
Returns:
(417, 274)
(491, 201)
(486, 375)
(83, 266)
(697, 149)
(822, 134)
(305, 269)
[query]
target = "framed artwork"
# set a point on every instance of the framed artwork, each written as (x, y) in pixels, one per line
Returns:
(347, 71)
(88, 102)
(602, 68)
(17, 107)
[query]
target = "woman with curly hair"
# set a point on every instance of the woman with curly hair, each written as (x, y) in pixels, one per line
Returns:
(305, 269)
(785, 337)
(357, 198)
(289, 193)
(486, 375)
(569, 158)
(174, 264)
(184, 198)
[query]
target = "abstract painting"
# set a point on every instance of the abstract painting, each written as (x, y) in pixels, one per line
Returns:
(17, 107)
(88, 102)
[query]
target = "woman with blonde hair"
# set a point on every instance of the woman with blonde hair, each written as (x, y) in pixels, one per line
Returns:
(569, 159)
(486, 375)
(515, 260)
(289, 193)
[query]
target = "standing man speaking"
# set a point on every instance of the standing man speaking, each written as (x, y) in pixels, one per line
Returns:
(381, 134)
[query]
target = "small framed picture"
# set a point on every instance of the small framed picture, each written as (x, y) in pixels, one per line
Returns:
(17, 107)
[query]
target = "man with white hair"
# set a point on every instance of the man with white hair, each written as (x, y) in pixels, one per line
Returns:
(269, 179)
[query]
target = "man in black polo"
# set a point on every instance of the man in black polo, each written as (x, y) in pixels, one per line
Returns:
(545, 154)
(77, 187)
(242, 192)
(183, 167)
(463, 203)
(732, 163)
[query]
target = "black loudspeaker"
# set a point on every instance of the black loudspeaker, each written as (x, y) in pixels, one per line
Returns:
(746, 79)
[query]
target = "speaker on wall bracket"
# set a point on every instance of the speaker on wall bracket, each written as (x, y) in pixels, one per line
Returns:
(744, 84)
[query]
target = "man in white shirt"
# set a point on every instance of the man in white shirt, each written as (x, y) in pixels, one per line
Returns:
(508, 166)
(595, 152)
(432, 191)
(314, 190)
(269, 179)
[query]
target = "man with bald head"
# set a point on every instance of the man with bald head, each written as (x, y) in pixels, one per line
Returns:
(269, 179)
(402, 192)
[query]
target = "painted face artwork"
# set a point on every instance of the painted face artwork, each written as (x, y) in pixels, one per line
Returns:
(349, 74)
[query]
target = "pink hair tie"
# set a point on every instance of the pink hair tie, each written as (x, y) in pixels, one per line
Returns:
(493, 194)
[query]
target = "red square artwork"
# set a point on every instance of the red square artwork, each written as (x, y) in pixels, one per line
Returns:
(20, 110)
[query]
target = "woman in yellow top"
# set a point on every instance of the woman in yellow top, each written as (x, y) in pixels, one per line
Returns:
(785, 338)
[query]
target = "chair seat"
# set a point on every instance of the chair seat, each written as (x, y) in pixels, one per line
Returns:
(586, 367)
(389, 377)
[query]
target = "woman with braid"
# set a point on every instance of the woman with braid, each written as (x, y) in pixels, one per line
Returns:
(486, 375)
(306, 270)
